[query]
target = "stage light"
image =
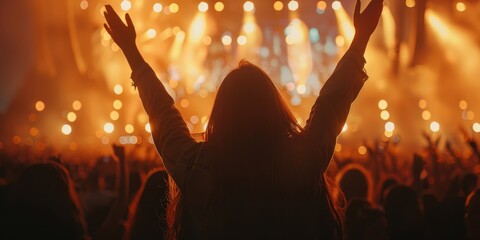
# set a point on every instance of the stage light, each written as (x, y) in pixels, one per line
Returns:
(336, 5)
(174, 8)
(129, 128)
(299, 51)
(66, 129)
(126, 5)
(203, 7)
(118, 89)
(278, 6)
(463, 105)
(410, 3)
(40, 106)
(293, 5)
(76, 105)
(151, 33)
(242, 40)
(345, 24)
(157, 7)
(476, 127)
(148, 128)
(219, 6)
(426, 115)
(71, 117)
(461, 6)
(248, 6)
(83, 4)
(117, 104)
(226, 40)
(114, 115)
(321, 6)
(389, 126)
(108, 127)
(176, 50)
(434, 126)
(382, 104)
(388, 22)
(385, 115)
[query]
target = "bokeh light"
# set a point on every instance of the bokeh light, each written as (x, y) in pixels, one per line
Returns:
(66, 129)
(157, 7)
(39, 106)
(71, 117)
(336, 5)
(461, 6)
(382, 104)
(77, 105)
(410, 3)
(108, 127)
(148, 128)
(434, 126)
(278, 6)
(219, 6)
(117, 104)
(389, 126)
(126, 5)
(129, 128)
(476, 127)
(248, 6)
(203, 7)
(293, 5)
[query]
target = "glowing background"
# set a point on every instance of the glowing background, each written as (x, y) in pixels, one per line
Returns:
(65, 84)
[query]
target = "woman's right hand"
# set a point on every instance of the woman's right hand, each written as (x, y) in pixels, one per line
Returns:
(123, 34)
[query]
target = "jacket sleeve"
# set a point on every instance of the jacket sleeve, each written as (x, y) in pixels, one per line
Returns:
(170, 133)
(329, 113)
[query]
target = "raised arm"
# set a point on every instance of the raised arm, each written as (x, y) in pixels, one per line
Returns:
(330, 111)
(170, 133)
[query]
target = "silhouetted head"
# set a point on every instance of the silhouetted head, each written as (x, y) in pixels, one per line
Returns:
(45, 205)
(248, 106)
(354, 184)
(403, 213)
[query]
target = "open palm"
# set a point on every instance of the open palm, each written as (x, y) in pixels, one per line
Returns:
(366, 22)
(123, 34)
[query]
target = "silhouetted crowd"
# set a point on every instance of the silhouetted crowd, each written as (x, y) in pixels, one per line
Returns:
(433, 196)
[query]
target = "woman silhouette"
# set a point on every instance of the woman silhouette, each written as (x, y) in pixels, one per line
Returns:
(258, 175)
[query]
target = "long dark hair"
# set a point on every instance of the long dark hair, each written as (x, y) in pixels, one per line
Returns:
(248, 104)
(45, 205)
(250, 125)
